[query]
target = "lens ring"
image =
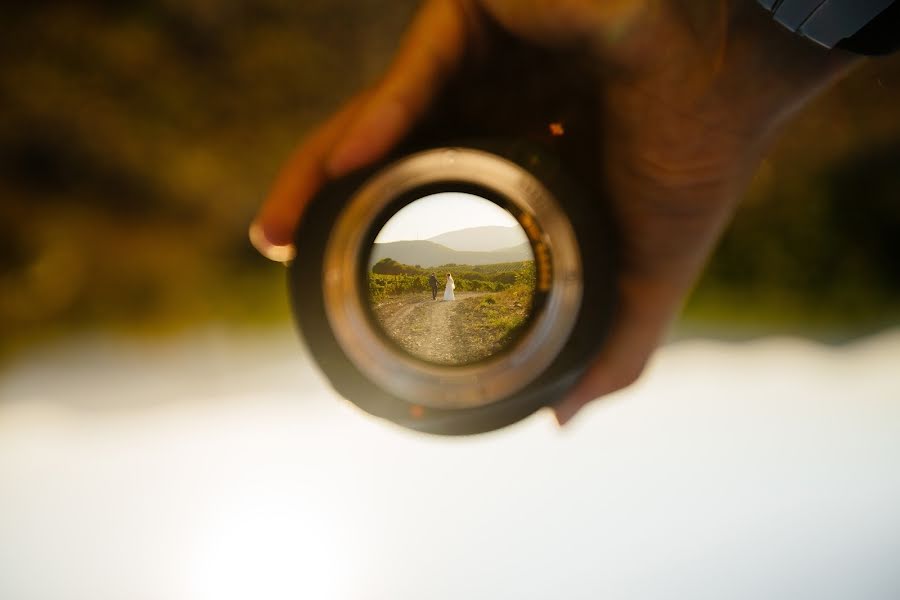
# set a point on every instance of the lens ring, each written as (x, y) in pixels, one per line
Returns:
(442, 386)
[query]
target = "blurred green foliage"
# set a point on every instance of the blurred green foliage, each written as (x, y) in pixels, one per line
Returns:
(137, 139)
(815, 251)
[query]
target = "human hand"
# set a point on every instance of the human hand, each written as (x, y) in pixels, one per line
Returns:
(693, 92)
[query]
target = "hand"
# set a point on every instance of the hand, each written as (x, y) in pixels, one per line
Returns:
(694, 91)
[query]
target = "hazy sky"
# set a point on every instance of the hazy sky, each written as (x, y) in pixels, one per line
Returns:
(224, 463)
(440, 213)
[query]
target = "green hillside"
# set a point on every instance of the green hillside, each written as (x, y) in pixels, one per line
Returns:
(429, 254)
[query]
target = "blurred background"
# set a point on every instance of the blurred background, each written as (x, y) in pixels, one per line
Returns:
(136, 143)
(163, 436)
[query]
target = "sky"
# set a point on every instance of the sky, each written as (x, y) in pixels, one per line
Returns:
(439, 213)
(220, 466)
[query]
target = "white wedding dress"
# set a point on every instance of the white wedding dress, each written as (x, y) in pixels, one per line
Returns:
(448, 289)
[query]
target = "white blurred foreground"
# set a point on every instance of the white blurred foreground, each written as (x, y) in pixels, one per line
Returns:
(220, 467)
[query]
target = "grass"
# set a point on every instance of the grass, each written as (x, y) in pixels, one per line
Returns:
(498, 319)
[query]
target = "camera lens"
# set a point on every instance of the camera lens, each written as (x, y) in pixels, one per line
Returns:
(432, 375)
(510, 144)
(444, 290)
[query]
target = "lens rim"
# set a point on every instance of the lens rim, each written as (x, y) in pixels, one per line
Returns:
(346, 298)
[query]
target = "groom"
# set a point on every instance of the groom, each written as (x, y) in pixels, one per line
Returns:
(433, 282)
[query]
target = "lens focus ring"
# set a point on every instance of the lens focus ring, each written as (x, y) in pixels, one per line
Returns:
(442, 386)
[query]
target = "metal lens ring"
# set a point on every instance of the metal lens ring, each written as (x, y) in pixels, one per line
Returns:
(557, 261)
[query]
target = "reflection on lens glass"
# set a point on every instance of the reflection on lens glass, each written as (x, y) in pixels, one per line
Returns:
(451, 279)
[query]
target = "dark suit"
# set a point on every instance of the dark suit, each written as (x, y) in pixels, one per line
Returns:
(433, 282)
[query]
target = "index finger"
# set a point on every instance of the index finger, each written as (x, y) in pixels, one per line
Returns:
(369, 126)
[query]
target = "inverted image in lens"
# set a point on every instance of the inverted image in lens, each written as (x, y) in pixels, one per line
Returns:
(451, 279)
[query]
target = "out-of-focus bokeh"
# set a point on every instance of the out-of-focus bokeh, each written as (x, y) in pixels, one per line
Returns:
(136, 140)
(164, 436)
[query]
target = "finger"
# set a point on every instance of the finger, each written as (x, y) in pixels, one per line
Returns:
(668, 232)
(647, 308)
(670, 206)
(665, 252)
(300, 178)
(430, 52)
(367, 127)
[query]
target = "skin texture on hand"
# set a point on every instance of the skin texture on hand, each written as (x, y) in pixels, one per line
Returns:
(694, 92)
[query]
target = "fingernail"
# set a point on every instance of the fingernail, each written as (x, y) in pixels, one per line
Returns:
(372, 132)
(278, 253)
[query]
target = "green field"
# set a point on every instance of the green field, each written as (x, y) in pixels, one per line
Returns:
(389, 278)
(492, 308)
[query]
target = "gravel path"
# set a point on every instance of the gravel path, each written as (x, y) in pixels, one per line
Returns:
(429, 329)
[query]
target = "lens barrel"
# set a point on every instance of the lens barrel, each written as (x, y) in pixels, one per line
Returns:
(523, 143)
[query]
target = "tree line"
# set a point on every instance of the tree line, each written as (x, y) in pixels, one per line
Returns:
(391, 278)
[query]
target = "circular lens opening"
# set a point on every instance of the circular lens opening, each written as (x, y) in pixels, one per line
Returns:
(520, 353)
(451, 279)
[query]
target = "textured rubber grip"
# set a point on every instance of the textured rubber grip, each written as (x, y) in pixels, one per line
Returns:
(826, 22)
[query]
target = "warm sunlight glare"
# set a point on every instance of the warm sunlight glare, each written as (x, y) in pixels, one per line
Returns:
(439, 213)
(265, 545)
(187, 471)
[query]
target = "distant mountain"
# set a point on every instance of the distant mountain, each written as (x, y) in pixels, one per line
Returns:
(482, 239)
(428, 254)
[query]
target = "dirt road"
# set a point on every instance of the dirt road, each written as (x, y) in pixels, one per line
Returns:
(432, 329)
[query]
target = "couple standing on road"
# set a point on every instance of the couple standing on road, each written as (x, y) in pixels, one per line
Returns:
(448, 288)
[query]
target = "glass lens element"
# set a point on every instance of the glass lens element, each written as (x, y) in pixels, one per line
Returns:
(451, 279)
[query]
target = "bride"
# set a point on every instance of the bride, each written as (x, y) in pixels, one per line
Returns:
(448, 289)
